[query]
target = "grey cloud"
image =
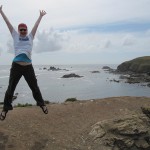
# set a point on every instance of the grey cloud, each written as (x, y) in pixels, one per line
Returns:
(0, 50)
(107, 44)
(48, 41)
(10, 48)
(45, 41)
(128, 40)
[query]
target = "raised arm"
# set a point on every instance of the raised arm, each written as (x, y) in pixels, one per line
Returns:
(42, 13)
(10, 27)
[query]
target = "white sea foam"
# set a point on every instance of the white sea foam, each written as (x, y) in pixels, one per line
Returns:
(2, 77)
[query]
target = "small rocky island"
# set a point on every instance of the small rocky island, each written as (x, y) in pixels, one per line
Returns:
(96, 71)
(52, 68)
(71, 75)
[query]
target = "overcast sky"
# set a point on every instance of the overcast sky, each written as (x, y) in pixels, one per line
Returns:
(80, 31)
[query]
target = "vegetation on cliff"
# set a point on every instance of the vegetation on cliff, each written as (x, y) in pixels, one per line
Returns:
(137, 65)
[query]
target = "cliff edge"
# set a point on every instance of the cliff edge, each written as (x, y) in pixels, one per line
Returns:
(115, 123)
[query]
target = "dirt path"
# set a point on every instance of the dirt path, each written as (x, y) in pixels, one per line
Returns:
(67, 125)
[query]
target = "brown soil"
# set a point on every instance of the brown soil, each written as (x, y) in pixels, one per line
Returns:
(67, 125)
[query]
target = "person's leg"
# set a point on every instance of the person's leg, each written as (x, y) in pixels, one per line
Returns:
(30, 77)
(14, 78)
(15, 75)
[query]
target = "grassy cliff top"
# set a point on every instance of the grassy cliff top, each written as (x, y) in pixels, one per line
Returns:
(138, 65)
(144, 59)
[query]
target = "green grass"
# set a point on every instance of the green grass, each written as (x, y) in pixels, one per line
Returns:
(139, 65)
(46, 102)
(23, 105)
(144, 59)
(71, 100)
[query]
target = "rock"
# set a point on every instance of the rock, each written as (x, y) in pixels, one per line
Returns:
(132, 80)
(146, 110)
(95, 71)
(110, 70)
(15, 96)
(114, 80)
(128, 133)
(106, 67)
(125, 76)
(54, 69)
(97, 131)
(148, 84)
(137, 65)
(133, 71)
(72, 75)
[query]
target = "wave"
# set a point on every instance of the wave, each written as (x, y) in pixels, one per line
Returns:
(4, 77)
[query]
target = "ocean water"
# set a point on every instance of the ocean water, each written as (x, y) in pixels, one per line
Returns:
(57, 89)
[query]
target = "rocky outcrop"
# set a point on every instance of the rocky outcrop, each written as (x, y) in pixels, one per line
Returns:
(72, 75)
(137, 65)
(110, 70)
(136, 78)
(131, 132)
(95, 71)
(52, 68)
(134, 71)
(106, 67)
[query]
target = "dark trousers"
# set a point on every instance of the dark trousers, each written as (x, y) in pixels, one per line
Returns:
(16, 72)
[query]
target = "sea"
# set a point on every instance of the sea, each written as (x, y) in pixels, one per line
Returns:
(56, 89)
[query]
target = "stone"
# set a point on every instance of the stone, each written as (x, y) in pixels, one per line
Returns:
(72, 75)
(95, 71)
(128, 133)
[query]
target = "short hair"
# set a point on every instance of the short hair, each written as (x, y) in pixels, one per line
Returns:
(22, 25)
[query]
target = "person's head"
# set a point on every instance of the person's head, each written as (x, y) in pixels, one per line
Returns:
(22, 29)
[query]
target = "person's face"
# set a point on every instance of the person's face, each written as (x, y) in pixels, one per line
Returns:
(23, 31)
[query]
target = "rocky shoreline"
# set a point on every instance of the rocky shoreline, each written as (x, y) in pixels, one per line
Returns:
(129, 76)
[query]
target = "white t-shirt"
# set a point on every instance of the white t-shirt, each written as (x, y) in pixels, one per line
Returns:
(22, 45)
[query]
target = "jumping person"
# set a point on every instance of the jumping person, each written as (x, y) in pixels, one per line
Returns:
(22, 64)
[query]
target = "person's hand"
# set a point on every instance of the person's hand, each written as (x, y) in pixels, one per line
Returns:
(1, 8)
(42, 13)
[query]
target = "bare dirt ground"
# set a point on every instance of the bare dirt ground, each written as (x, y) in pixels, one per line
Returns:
(67, 125)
